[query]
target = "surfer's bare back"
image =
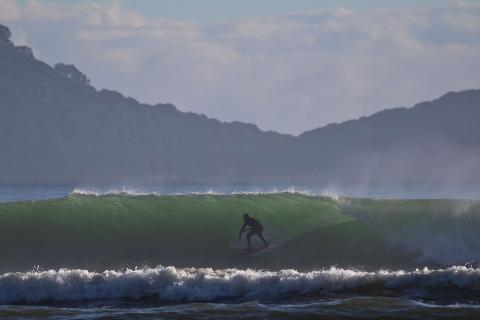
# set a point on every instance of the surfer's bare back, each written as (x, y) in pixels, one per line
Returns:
(255, 228)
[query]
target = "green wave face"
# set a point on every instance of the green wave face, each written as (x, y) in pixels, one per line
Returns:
(201, 231)
(440, 232)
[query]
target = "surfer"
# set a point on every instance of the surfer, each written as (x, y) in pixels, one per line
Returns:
(255, 228)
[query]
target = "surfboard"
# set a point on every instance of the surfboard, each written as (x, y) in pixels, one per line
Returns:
(255, 250)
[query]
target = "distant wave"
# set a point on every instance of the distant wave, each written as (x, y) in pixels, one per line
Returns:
(172, 284)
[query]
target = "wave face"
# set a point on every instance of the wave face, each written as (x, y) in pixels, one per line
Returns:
(305, 232)
(170, 284)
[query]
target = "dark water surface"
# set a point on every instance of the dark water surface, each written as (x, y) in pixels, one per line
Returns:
(350, 308)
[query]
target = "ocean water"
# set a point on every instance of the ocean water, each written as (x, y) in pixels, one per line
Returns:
(173, 253)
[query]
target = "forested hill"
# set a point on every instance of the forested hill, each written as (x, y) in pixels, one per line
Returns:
(57, 128)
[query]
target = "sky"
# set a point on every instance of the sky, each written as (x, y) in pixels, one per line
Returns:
(288, 66)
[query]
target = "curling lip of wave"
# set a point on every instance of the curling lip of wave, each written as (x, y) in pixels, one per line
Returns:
(189, 284)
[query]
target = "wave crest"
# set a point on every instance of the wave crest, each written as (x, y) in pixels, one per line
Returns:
(126, 191)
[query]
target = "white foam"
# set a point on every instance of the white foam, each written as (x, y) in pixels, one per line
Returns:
(113, 191)
(190, 284)
(136, 192)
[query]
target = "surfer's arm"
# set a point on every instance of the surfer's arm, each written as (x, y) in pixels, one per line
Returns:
(241, 230)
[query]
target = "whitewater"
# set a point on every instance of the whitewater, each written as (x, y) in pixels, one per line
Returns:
(170, 284)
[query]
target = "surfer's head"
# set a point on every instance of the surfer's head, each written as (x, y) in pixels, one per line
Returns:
(246, 216)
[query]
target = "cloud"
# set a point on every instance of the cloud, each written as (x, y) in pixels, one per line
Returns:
(289, 73)
(9, 10)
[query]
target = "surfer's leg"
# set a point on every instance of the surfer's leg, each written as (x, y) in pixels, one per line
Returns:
(249, 234)
(263, 239)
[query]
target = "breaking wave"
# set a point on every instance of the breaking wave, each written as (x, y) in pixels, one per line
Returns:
(170, 284)
(305, 232)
